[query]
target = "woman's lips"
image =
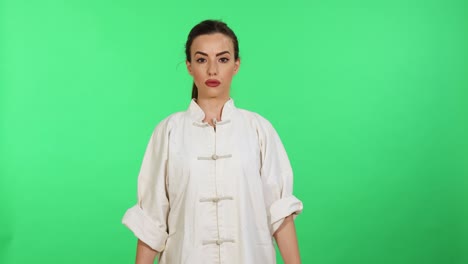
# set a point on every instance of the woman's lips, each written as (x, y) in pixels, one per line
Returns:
(212, 83)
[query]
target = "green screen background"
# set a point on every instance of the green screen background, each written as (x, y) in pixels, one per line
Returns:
(369, 97)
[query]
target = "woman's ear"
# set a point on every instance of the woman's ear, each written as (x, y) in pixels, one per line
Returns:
(189, 67)
(236, 66)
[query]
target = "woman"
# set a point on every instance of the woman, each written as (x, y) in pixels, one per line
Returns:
(215, 184)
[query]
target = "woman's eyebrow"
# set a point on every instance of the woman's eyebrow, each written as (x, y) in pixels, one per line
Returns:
(222, 52)
(218, 54)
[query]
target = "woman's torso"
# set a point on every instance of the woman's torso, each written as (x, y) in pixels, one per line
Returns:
(215, 190)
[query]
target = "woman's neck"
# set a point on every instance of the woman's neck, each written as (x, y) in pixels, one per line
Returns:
(212, 107)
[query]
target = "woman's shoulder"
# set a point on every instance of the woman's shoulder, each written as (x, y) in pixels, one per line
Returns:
(169, 121)
(256, 119)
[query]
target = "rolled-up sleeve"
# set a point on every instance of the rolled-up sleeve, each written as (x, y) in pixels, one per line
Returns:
(148, 218)
(277, 177)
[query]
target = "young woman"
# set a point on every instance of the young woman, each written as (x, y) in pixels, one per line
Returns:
(215, 184)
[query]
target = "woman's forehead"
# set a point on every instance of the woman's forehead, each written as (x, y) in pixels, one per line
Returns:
(212, 43)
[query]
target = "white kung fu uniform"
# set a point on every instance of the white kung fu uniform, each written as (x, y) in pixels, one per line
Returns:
(213, 194)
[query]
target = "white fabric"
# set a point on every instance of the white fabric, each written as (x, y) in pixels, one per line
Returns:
(210, 195)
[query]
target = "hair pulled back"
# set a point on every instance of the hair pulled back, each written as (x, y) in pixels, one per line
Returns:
(209, 27)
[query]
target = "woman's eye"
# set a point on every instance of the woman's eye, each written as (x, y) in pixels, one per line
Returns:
(201, 60)
(224, 60)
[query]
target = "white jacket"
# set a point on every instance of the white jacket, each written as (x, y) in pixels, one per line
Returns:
(209, 195)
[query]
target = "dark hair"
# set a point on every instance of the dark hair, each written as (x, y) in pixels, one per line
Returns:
(209, 27)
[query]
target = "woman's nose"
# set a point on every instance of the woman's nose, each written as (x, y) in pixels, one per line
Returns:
(212, 69)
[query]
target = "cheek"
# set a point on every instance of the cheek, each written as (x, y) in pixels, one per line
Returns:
(229, 73)
(197, 74)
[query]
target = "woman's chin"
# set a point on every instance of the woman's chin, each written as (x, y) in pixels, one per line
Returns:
(213, 94)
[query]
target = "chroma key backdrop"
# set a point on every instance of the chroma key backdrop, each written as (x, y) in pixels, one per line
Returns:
(370, 99)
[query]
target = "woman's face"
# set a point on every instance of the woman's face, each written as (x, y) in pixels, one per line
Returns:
(212, 65)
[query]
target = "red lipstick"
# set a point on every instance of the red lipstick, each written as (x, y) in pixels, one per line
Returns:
(212, 83)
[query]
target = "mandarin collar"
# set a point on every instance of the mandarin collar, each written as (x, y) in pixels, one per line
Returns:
(198, 115)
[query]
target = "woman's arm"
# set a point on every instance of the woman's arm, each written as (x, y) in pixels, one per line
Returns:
(287, 241)
(145, 254)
